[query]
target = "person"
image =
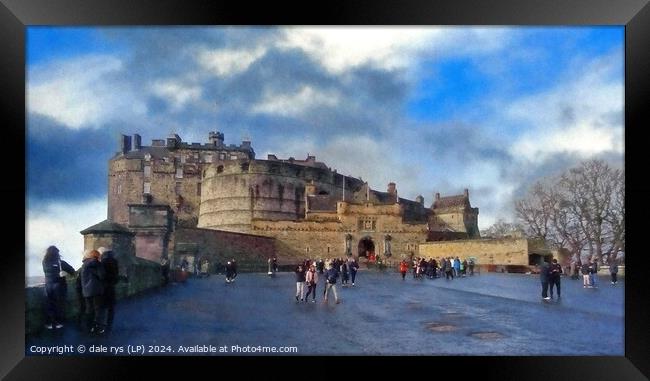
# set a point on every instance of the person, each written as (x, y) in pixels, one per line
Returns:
(300, 283)
(184, 264)
(274, 264)
(111, 270)
(164, 269)
(555, 274)
(544, 275)
(320, 266)
(205, 268)
(270, 260)
(331, 276)
(81, 300)
(312, 281)
(344, 273)
(230, 272)
(593, 273)
(471, 266)
(93, 278)
(403, 268)
(354, 267)
(584, 269)
(56, 286)
(613, 271)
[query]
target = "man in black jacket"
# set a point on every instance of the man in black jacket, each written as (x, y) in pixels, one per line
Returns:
(111, 271)
(92, 287)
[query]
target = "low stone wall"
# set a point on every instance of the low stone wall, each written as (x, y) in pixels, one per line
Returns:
(512, 252)
(218, 247)
(142, 275)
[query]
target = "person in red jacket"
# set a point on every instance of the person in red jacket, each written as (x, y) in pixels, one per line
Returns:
(403, 268)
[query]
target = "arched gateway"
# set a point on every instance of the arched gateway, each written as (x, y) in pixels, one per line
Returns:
(366, 248)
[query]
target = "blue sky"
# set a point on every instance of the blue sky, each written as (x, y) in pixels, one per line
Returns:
(491, 109)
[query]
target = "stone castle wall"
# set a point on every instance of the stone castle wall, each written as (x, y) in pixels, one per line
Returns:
(218, 247)
(236, 193)
(487, 251)
(298, 240)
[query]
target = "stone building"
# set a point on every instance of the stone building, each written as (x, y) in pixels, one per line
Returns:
(172, 192)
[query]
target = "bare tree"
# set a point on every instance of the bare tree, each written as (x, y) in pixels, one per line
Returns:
(582, 210)
(502, 229)
(535, 211)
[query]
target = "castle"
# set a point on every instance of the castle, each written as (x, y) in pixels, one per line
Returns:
(215, 201)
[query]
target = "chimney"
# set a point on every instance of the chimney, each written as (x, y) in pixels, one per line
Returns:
(466, 192)
(437, 196)
(137, 142)
(125, 143)
(391, 188)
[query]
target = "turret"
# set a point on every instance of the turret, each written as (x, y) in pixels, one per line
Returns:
(216, 138)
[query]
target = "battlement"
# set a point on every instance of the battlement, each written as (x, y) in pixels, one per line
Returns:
(310, 161)
(131, 144)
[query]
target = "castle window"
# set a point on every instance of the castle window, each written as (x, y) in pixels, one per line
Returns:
(177, 187)
(244, 167)
(198, 189)
(119, 188)
(182, 159)
(147, 171)
(222, 156)
(147, 188)
(179, 173)
(207, 158)
(220, 169)
(233, 157)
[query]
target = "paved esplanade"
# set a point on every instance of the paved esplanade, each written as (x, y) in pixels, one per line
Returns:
(488, 314)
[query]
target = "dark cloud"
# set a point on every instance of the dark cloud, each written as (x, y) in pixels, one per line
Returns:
(64, 164)
(466, 144)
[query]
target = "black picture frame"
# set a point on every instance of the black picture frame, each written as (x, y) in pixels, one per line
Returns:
(16, 15)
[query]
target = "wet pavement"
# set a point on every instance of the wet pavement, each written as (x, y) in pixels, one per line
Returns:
(487, 314)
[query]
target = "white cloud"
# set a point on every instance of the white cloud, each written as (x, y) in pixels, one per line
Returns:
(339, 49)
(81, 92)
(577, 117)
(59, 224)
(297, 103)
(176, 93)
(226, 62)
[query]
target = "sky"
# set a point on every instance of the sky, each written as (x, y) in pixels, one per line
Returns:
(433, 109)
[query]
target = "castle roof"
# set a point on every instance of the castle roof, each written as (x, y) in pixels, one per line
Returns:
(457, 201)
(106, 226)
